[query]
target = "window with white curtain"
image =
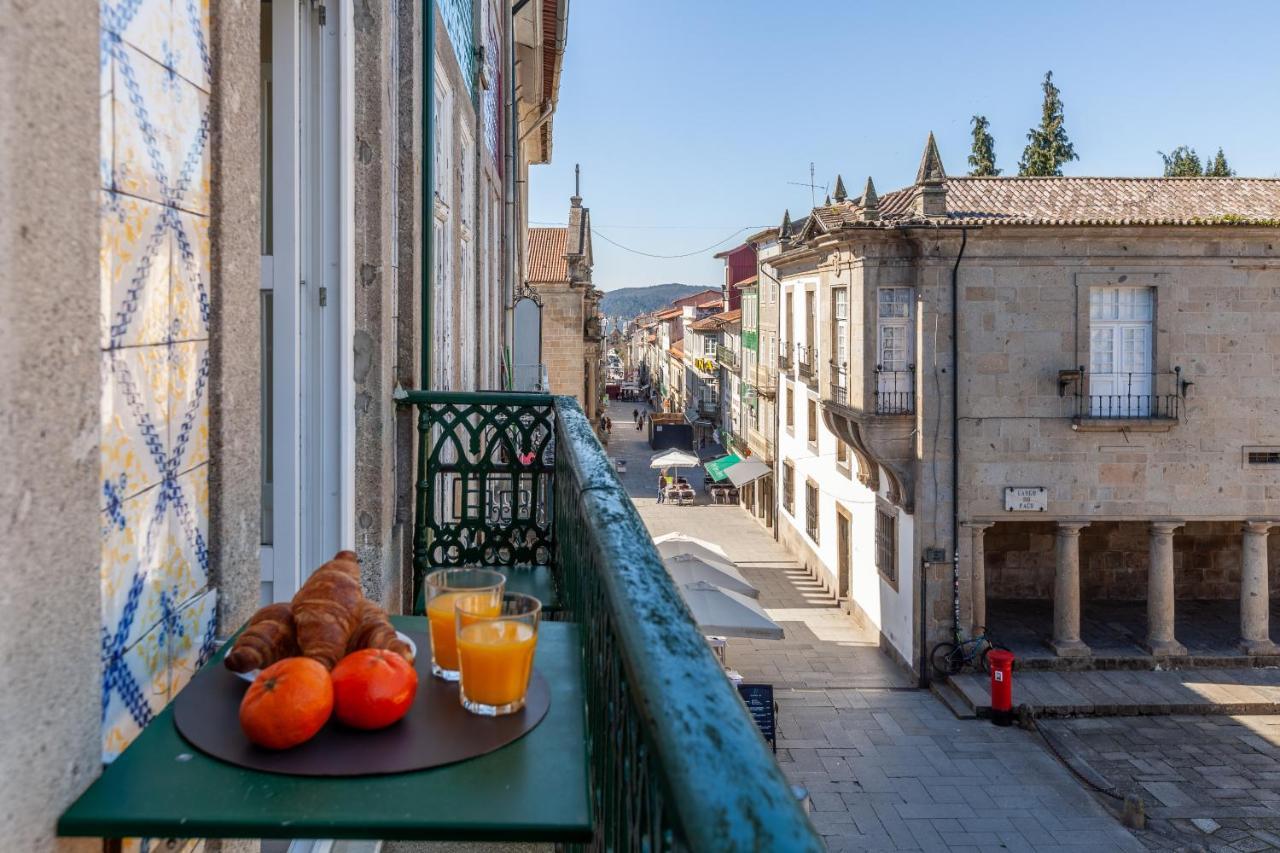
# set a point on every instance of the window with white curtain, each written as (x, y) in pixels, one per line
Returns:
(1120, 351)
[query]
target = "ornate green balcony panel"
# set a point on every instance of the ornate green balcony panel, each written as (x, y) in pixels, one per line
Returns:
(676, 763)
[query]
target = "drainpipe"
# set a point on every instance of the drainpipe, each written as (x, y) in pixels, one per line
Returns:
(428, 191)
(955, 479)
(955, 434)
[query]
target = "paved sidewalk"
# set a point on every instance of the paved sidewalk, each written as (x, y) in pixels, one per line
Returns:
(1110, 692)
(1209, 783)
(888, 767)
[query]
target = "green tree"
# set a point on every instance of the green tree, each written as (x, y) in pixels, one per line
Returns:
(1219, 169)
(982, 159)
(1182, 162)
(1047, 145)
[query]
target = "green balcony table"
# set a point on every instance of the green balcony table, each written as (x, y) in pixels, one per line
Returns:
(535, 789)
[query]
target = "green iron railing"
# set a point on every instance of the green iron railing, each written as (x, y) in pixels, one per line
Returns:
(676, 761)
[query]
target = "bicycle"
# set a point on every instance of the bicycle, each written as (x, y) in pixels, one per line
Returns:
(952, 658)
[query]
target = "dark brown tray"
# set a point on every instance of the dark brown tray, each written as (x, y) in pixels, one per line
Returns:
(436, 731)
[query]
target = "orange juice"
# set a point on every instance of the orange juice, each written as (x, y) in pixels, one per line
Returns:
(440, 615)
(497, 659)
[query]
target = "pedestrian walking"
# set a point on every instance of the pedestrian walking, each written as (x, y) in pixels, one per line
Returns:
(661, 488)
(635, 416)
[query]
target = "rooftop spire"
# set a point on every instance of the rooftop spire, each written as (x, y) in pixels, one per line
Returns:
(841, 195)
(785, 229)
(931, 171)
(870, 202)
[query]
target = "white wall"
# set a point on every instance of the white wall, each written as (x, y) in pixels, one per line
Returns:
(888, 609)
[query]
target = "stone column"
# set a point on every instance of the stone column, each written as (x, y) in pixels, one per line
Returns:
(977, 574)
(1160, 604)
(1066, 593)
(1255, 600)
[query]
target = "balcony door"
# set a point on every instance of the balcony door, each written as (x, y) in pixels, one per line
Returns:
(894, 382)
(1120, 363)
(307, 309)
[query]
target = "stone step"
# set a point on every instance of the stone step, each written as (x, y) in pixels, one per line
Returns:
(955, 701)
(1129, 692)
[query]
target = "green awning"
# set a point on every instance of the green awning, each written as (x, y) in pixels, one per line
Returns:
(717, 467)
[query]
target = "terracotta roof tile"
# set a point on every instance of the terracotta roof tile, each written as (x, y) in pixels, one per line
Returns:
(1079, 201)
(717, 321)
(546, 254)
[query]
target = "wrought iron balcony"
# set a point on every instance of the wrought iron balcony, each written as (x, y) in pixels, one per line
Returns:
(726, 357)
(806, 358)
(838, 390)
(784, 356)
(1100, 397)
(895, 391)
(520, 481)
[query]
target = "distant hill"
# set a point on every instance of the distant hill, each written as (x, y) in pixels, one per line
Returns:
(628, 302)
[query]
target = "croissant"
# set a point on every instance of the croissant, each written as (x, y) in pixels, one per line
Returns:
(375, 631)
(325, 611)
(269, 637)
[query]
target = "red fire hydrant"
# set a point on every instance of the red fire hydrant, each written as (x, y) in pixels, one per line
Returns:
(1001, 664)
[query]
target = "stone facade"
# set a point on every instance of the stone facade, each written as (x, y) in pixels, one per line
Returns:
(1067, 290)
(573, 348)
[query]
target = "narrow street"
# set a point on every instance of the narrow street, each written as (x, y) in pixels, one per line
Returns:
(887, 766)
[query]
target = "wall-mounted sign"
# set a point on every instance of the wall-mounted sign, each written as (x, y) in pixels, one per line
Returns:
(1026, 499)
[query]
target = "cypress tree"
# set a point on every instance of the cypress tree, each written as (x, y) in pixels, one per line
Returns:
(1183, 162)
(1219, 169)
(1047, 145)
(982, 159)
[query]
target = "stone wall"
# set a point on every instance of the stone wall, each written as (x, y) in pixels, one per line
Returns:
(1114, 558)
(564, 350)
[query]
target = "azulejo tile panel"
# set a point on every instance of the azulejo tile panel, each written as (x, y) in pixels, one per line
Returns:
(144, 24)
(192, 57)
(142, 119)
(188, 405)
(136, 545)
(136, 259)
(189, 302)
(135, 687)
(189, 160)
(135, 420)
(191, 639)
(186, 571)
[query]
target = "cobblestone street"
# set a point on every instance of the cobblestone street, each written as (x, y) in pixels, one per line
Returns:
(888, 766)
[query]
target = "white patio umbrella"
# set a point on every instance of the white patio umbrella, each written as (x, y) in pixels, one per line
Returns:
(680, 548)
(673, 458)
(686, 569)
(722, 613)
(676, 538)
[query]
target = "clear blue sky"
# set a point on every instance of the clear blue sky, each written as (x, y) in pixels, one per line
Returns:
(697, 113)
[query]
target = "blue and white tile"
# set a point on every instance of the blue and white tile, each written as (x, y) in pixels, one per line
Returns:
(189, 298)
(188, 405)
(186, 555)
(162, 845)
(191, 41)
(144, 24)
(191, 639)
(105, 126)
(142, 118)
(135, 685)
(189, 156)
(137, 545)
(133, 452)
(136, 259)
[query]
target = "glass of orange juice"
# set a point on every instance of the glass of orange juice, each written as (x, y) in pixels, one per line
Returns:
(495, 653)
(480, 589)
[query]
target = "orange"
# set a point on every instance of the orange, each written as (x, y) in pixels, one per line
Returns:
(287, 703)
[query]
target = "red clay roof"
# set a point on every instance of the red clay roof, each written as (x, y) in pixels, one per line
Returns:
(668, 313)
(717, 321)
(677, 351)
(546, 254)
(1080, 201)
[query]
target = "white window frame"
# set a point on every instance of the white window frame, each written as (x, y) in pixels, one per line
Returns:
(313, 467)
(1121, 350)
(894, 319)
(442, 295)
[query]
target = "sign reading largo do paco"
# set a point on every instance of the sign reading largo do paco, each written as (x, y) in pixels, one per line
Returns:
(1026, 498)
